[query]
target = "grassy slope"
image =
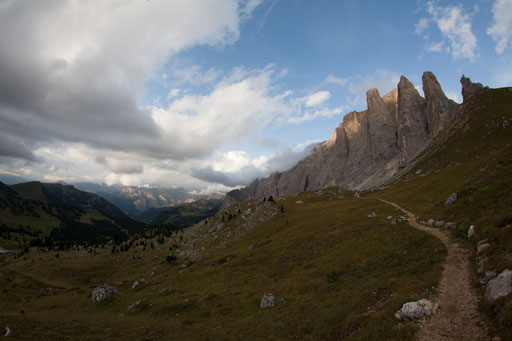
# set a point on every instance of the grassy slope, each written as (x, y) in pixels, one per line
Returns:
(374, 268)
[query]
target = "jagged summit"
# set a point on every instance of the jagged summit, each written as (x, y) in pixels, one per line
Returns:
(369, 146)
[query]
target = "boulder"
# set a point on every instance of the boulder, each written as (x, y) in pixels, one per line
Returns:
(499, 287)
(138, 283)
(430, 222)
(267, 301)
(482, 247)
(372, 215)
(451, 200)
(471, 231)
(103, 293)
(134, 306)
(416, 310)
(439, 223)
(450, 225)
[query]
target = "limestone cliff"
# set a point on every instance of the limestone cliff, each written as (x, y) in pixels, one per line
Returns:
(369, 146)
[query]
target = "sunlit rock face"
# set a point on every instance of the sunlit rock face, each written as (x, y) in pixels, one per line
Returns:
(369, 146)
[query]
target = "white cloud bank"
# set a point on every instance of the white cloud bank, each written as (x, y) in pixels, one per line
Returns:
(454, 25)
(501, 30)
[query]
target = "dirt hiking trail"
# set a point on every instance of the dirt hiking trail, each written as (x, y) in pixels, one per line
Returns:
(458, 318)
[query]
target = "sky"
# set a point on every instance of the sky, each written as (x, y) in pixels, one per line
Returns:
(209, 95)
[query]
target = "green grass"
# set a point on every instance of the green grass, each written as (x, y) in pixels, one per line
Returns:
(377, 266)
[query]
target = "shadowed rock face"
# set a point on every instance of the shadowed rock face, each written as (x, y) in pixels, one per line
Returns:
(469, 88)
(369, 146)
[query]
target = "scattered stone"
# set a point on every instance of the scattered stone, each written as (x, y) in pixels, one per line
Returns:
(8, 332)
(423, 222)
(451, 200)
(151, 274)
(450, 225)
(250, 247)
(416, 310)
(431, 222)
(138, 283)
(483, 169)
(45, 292)
(389, 217)
(482, 247)
(471, 231)
(319, 192)
(166, 291)
(483, 241)
(186, 264)
(133, 307)
(439, 223)
(103, 293)
(267, 301)
(499, 287)
(372, 215)
(340, 197)
(299, 202)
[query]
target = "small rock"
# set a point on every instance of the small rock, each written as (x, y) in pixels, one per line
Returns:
(431, 222)
(8, 332)
(103, 293)
(451, 225)
(151, 274)
(482, 247)
(483, 169)
(340, 197)
(471, 231)
(416, 310)
(389, 217)
(439, 223)
(267, 301)
(483, 241)
(372, 215)
(138, 283)
(45, 292)
(133, 307)
(250, 247)
(188, 263)
(423, 222)
(451, 200)
(299, 202)
(500, 286)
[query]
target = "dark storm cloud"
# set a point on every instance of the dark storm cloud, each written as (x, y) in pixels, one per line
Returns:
(12, 148)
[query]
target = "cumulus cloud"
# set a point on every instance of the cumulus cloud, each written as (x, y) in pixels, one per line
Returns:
(317, 98)
(455, 28)
(501, 30)
(337, 80)
(245, 170)
(72, 78)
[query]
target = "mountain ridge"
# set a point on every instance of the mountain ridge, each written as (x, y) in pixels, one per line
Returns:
(369, 147)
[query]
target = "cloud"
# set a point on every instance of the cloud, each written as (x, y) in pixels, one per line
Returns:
(72, 79)
(455, 28)
(11, 147)
(247, 169)
(336, 80)
(317, 98)
(501, 30)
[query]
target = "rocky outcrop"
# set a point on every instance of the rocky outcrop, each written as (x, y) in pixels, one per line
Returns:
(500, 286)
(440, 109)
(469, 88)
(369, 146)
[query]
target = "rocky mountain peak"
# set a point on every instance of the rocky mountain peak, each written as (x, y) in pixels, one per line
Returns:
(469, 88)
(440, 109)
(369, 146)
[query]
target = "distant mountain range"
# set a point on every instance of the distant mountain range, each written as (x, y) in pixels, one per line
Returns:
(61, 212)
(181, 215)
(134, 200)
